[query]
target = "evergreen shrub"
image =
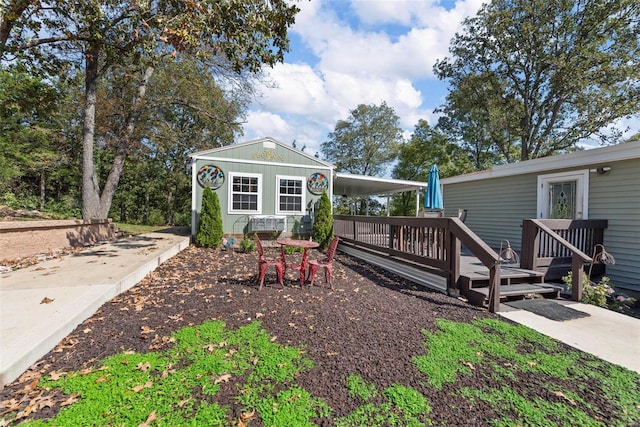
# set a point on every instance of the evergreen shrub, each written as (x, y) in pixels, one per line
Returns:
(322, 229)
(209, 232)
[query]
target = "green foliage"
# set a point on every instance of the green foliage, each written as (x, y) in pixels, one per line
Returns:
(490, 345)
(128, 387)
(180, 385)
(426, 147)
(247, 244)
(365, 143)
(357, 387)
(322, 229)
(531, 78)
(209, 232)
(399, 406)
(601, 294)
(117, 49)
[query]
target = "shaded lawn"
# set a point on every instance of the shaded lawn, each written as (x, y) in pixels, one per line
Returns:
(195, 342)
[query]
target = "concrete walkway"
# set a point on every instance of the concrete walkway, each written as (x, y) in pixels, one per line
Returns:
(42, 304)
(611, 336)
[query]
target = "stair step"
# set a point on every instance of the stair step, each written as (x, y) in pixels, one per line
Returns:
(479, 296)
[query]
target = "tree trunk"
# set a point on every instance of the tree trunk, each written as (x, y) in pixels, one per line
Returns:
(169, 217)
(94, 204)
(90, 186)
(42, 190)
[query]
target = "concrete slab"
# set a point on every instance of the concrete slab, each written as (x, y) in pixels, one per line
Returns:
(611, 336)
(42, 304)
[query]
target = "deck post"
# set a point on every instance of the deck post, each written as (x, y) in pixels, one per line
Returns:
(529, 245)
(453, 257)
(494, 288)
(577, 270)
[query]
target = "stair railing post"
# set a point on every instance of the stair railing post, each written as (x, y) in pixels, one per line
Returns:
(577, 271)
(494, 290)
(453, 256)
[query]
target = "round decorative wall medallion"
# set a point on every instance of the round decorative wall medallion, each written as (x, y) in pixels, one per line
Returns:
(317, 183)
(210, 176)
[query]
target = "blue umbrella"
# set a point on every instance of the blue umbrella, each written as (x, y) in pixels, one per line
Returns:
(433, 195)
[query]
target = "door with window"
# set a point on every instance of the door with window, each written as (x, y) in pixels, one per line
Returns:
(563, 195)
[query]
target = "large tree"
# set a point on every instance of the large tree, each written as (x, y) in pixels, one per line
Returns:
(105, 36)
(366, 143)
(537, 76)
(427, 146)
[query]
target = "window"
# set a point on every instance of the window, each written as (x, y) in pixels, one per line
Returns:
(563, 195)
(290, 195)
(245, 190)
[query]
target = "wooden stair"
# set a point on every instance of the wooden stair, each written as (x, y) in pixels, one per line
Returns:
(515, 283)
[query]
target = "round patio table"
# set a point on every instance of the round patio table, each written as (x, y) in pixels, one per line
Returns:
(305, 245)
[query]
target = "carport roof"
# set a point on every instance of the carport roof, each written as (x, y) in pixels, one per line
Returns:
(345, 184)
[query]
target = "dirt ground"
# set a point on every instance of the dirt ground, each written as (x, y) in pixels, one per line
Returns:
(370, 325)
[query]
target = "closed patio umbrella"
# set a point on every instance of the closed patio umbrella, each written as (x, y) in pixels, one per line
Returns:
(433, 195)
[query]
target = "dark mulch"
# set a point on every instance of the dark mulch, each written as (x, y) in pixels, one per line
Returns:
(370, 325)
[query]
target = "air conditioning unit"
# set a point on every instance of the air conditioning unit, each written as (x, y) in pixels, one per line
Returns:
(267, 223)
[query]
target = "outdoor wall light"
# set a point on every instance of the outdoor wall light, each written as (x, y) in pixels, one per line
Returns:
(604, 170)
(508, 255)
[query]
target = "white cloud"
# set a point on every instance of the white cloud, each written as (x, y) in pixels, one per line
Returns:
(358, 58)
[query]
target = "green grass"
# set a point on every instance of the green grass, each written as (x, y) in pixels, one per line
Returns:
(178, 386)
(135, 229)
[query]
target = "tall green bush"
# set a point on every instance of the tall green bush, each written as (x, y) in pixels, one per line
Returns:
(322, 230)
(209, 233)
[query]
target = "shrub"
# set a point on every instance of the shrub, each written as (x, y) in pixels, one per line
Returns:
(247, 245)
(209, 232)
(322, 230)
(601, 293)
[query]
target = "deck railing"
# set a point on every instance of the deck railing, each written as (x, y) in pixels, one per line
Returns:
(432, 242)
(556, 246)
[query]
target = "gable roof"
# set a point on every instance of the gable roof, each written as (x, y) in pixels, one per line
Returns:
(611, 153)
(262, 141)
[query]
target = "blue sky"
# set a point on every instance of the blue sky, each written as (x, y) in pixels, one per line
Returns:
(350, 52)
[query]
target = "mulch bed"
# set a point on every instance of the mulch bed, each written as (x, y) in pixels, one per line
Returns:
(370, 325)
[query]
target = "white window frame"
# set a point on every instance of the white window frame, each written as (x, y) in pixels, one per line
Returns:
(303, 202)
(582, 191)
(230, 192)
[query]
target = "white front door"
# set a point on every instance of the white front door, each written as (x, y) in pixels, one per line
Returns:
(563, 195)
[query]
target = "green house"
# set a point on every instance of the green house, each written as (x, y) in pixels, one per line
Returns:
(267, 186)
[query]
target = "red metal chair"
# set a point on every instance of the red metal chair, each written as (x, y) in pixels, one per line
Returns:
(264, 263)
(326, 263)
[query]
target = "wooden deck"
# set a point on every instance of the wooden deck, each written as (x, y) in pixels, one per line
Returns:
(446, 249)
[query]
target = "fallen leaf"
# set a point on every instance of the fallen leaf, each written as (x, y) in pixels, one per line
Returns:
(469, 365)
(222, 379)
(143, 366)
(101, 379)
(70, 400)
(139, 388)
(259, 315)
(565, 397)
(46, 300)
(86, 330)
(246, 416)
(146, 330)
(151, 418)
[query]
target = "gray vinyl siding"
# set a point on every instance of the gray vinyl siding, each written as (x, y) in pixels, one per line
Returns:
(616, 197)
(495, 207)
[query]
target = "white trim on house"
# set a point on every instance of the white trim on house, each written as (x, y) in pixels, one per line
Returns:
(582, 191)
(257, 162)
(623, 151)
